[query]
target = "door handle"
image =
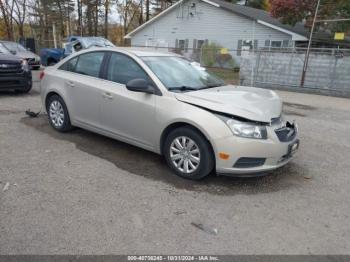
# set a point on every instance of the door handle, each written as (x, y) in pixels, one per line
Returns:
(107, 95)
(70, 83)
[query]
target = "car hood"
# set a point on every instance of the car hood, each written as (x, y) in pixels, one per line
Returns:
(251, 103)
(25, 54)
(4, 58)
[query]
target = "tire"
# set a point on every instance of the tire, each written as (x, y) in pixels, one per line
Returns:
(58, 114)
(51, 63)
(176, 159)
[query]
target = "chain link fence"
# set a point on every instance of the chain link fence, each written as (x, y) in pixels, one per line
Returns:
(328, 70)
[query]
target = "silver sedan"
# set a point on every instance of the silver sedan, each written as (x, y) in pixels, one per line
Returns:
(171, 106)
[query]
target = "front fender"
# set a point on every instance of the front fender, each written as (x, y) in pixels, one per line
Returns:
(171, 111)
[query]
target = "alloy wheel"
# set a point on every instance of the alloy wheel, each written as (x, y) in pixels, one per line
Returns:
(185, 154)
(56, 113)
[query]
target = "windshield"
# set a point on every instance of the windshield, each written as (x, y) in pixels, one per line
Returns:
(3, 50)
(96, 41)
(177, 73)
(14, 46)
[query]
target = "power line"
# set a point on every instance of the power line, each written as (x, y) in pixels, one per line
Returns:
(332, 20)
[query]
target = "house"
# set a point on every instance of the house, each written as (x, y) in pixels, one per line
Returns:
(188, 24)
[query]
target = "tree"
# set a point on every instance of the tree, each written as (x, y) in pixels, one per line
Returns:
(106, 6)
(335, 10)
(259, 4)
(80, 17)
(7, 16)
(3, 33)
(292, 11)
(20, 15)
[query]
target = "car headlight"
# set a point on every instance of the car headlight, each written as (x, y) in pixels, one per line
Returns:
(25, 65)
(245, 129)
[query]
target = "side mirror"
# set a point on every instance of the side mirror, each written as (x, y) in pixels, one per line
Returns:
(140, 85)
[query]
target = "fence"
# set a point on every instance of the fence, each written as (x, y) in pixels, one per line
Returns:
(328, 70)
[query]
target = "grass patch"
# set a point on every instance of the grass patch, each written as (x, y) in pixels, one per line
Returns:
(228, 75)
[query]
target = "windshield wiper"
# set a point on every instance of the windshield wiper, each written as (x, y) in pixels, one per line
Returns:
(210, 86)
(182, 88)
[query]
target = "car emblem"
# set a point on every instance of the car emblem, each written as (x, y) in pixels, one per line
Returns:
(3, 65)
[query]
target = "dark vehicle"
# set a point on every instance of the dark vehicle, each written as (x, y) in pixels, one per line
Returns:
(16, 49)
(15, 74)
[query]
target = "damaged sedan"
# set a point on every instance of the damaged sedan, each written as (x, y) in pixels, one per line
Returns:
(165, 104)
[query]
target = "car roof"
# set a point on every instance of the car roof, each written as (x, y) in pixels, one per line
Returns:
(140, 52)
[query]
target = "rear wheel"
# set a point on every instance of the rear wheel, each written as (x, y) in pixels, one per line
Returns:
(58, 114)
(188, 153)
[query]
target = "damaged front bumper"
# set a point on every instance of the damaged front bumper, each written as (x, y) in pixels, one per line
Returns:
(251, 157)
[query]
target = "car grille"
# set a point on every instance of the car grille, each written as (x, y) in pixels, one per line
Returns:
(8, 69)
(10, 82)
(286, 133)
(30, 61)
(247, 162)
(276, 120)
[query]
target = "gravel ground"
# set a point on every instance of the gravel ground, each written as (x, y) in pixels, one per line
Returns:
(81, 193)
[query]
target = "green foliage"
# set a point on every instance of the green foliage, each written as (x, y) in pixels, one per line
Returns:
(209, 52)
(259, 4)
(293, 11)
(333, 10)
(212, 56)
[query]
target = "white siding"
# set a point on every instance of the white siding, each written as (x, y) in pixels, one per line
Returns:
(209, 22)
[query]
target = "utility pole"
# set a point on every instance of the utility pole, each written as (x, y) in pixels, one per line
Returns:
(306, 61)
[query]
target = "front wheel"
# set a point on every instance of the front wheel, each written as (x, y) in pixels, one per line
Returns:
(58, 114)
(188, 153)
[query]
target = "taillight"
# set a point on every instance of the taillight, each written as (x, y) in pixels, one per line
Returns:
(42, 74)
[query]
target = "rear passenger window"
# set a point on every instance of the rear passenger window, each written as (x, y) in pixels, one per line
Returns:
(89, 64)
(122, 69)
(69, 65)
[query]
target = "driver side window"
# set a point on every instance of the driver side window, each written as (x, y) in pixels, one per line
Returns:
(122, 69)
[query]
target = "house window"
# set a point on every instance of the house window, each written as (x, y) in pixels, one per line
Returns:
(276, 44)
(200, 43)
(182, 44)
(285, 43)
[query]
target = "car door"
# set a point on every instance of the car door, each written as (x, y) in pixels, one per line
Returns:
(129, 115)
(83, 88)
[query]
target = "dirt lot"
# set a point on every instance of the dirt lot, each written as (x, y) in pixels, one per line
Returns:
(81, 193)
